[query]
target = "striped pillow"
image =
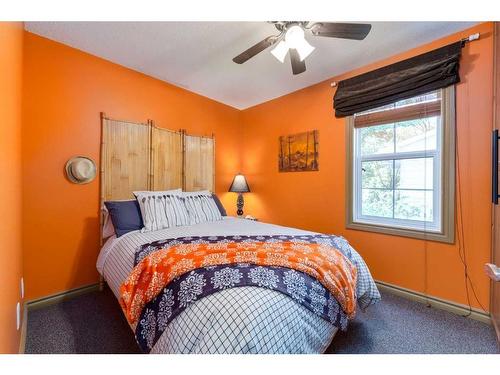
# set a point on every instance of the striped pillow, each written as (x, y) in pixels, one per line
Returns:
(201, 207)
(162, 210)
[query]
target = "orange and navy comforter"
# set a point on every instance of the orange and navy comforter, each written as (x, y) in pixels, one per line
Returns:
(171, 274)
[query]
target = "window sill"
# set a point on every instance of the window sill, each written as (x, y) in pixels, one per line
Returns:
(402, 232)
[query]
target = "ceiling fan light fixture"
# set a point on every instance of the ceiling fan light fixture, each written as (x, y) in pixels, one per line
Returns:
(280, 51)
(294, 39)
(291, 38)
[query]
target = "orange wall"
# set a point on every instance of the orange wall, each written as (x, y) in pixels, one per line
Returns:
(65, 89)
(315, 200)
(11, 47)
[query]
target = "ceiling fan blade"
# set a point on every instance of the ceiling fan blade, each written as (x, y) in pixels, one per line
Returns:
(255, 49)
(357, 31)
(297, 65)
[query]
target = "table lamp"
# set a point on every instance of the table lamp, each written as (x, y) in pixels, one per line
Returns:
(240, 186)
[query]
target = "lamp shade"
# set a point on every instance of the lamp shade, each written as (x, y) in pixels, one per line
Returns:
(239, 184)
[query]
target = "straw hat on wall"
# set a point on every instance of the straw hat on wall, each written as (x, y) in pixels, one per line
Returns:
(80, 170)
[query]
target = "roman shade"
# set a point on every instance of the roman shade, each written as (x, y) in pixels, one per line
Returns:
(418, 75)
(405, 113)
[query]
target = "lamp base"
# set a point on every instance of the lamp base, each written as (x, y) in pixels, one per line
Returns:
(239, 204)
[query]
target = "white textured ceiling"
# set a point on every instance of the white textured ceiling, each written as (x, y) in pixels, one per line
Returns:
(198, 55)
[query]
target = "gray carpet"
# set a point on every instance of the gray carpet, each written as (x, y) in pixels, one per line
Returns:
(94, 323)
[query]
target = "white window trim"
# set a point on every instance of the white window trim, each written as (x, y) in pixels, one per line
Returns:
(442, 227)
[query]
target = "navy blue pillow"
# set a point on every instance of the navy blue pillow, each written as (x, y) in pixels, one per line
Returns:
(125, 216)
(219, 205)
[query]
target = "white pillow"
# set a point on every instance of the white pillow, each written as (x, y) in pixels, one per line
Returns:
(153, 192)
(199, 192)
(161, 210)
(201, 206)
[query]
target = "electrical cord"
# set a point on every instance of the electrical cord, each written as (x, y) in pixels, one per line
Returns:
(460, 227)
(426, 271)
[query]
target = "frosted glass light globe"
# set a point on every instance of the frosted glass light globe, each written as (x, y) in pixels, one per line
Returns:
(294, 37)
(280, 51)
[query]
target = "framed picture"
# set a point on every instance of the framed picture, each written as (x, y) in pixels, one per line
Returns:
(298, 152)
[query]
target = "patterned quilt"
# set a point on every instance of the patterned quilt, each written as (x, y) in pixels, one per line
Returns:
(317, 271)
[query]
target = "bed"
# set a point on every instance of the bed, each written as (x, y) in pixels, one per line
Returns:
(209, 283)
(247, 318)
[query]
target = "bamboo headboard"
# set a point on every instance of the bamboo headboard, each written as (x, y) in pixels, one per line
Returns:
(142, 156)
(125, 159)
(199, 163)
(167, 158)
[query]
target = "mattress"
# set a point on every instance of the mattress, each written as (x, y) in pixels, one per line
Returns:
(239, 320)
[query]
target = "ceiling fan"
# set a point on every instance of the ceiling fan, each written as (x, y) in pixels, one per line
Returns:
(291, 38)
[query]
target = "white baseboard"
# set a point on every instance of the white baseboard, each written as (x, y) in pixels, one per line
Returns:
(435, 302)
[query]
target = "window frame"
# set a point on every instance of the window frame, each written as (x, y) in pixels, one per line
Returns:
(443, 227)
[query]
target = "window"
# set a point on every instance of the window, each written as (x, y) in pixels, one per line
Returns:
(401, 166)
